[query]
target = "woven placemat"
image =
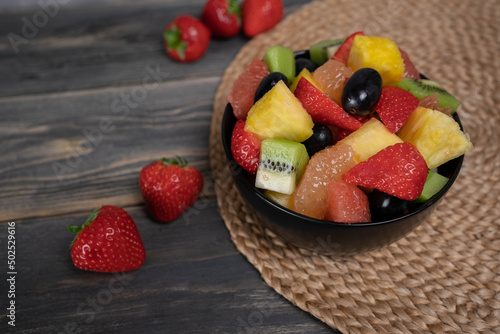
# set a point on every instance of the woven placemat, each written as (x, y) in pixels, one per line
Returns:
(444, 277)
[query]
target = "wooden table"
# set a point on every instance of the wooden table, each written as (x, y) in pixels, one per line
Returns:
(87, 98)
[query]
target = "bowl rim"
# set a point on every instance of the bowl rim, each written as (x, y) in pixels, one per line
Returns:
(433, 200)
(256, 192)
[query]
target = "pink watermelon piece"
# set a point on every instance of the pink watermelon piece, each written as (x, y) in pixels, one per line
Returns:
(347, 203)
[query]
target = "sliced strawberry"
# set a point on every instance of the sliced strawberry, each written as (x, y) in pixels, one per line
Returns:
(342, 53)
(339, 133)
(347, 203)
(395, 106)
(398, 170)
(322, 109)
(245, 148)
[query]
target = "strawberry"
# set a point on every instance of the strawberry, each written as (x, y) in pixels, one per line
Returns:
(322, 109)
(245, 148)
(340, 134)
(395, 106)
(342, 54)
(260, 15)
(169, 187)
(398, 170)
(186, 38)
(223, 17)
(107, 242)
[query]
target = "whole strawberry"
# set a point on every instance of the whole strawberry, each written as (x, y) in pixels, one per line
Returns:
(107, 242)
(260, 15)
(169, 187)
(223, 17)
(186, 38)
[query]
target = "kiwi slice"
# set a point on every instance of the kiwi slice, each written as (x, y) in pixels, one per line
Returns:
(434, 183)
(425, 87)
(282, 163)
(281, 59)
(324, 50)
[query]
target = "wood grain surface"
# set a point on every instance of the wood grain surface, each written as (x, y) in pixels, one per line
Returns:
(87, 98)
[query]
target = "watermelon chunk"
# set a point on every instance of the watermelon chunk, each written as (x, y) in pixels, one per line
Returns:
(347, 203)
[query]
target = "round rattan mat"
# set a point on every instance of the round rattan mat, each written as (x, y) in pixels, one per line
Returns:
(444, 277)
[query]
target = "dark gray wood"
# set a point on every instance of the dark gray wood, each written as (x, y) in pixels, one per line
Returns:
(88, 147)
(193, 281)
(85, 103)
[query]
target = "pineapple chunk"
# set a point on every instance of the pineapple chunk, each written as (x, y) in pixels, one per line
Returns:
(436, 135)
(279, 114)
(379, 53)
(370, 138)
(306, 74)
(280, 198)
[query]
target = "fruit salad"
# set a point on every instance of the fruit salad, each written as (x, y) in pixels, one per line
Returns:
(347, 131)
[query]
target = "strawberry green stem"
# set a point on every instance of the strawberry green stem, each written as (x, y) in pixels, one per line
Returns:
(233, 8)
(173, 40)
(177, 161)
(78, 229)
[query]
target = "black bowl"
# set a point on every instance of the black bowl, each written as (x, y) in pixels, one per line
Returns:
(337, 239)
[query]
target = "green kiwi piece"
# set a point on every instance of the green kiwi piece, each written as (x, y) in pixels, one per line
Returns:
(281, 165)
(320, 52)
(281, 59)
(425, 87)
(434, 183)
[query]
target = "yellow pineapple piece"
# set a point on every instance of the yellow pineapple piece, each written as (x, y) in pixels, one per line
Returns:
(280, 198)
(306, 74)
(370, 138)
(379, 53)
(279, 114)
(436, 135)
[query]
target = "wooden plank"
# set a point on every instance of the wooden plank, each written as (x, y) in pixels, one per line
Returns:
(48, 153)
(33, 5)
(68, 152)
(102, 45)
(95, 46)
(80, 115)
(193, 281)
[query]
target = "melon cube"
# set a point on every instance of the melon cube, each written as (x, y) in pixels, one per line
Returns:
(347, 203)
